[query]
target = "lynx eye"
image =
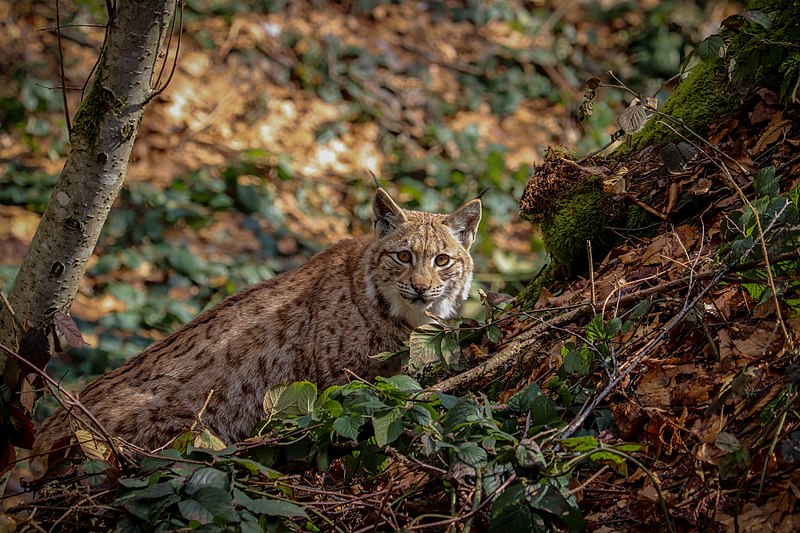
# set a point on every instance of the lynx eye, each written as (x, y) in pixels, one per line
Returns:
(441, 260)
(404, 256)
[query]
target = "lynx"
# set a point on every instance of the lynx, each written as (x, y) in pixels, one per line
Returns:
(360, 297)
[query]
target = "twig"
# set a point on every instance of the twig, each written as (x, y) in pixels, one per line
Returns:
(202, 410)
(74, 401)
(11, 312)
(456, 519)
(158, 90)
(384, 501)
(761, 239)
(591, 270)
(61, 66)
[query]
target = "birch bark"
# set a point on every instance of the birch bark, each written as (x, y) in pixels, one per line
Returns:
(104, 129)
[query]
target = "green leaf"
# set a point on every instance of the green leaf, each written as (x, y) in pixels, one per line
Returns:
(529, 455)
(466, 409)
(578, 361)
(269, 507)
(472, 454)
(758, 17)
(348, 426)
(403, 383)
(254, 467)
(711, 47)
(580, 444)
(595, 330)
(451, 352)
(388, 426)
(218, 502)
(159, 490)
(194, 510)
(290, 401)
(544, 411)
(207, 477)
(741, 247)
(133, 483)
(494, 333)
(510, 512)
(522, 402)
(613, 327)
(766, 183)
(611, 459)
(420, 415)
(424, 345)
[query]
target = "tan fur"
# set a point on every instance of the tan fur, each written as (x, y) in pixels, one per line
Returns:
(351, 301)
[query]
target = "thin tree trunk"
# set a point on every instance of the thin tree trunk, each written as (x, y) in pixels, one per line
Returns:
(103, 132)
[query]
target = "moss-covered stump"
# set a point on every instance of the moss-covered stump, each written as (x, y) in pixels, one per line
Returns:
(568, 202)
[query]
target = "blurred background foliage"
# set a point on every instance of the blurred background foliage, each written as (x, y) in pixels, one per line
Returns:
(257, 154)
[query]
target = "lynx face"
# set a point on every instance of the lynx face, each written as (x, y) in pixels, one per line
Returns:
(421, 261)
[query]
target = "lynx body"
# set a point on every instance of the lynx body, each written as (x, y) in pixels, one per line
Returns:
(360, 297)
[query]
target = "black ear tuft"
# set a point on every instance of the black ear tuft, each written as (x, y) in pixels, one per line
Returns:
(386, 215)
(464, 222)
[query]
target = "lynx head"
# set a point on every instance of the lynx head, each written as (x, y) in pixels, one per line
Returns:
(420, 261)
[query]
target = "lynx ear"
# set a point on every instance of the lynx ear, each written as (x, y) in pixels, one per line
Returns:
(464, 222)
(386, 215)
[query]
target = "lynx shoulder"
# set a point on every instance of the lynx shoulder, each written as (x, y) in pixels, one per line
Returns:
(360, 297)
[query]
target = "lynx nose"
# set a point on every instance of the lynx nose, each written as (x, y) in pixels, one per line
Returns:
(420, 286)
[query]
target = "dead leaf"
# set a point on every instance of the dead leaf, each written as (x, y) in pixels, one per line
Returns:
(68, 329)
(755, 346)
(653, 389)
(92, 446)
(206, 439)
(774, 131)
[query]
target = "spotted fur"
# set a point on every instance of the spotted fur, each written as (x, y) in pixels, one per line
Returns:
(360, 297)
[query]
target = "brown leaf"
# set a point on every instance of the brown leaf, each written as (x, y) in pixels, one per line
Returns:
(35, 348)
(69, 330)
(23, 433)
(8, 456)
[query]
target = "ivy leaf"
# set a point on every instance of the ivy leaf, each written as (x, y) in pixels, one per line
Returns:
(388, 426)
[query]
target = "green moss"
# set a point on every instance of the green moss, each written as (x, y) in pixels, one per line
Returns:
(97, 104)
(94, 106)
(588, 215)
(700, 100)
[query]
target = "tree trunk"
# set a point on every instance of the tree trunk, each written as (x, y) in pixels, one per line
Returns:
(102, 137)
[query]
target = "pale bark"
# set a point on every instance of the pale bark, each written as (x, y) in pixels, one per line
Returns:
(103, 133)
